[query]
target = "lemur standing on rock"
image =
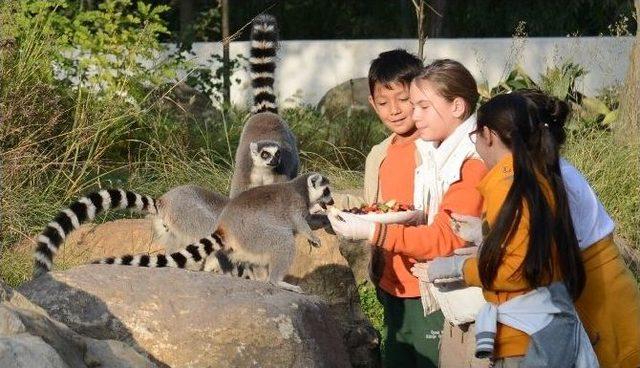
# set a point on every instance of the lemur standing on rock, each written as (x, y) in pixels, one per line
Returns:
(258, 226)
(267, 152)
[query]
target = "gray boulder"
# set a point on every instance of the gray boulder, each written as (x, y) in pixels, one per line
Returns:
(327, 271)
(30, 338)
(195, 319)
(347, 97)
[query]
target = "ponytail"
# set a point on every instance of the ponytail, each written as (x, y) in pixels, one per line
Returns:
(527, 130)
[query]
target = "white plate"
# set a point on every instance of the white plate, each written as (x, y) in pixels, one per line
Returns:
(386, 218)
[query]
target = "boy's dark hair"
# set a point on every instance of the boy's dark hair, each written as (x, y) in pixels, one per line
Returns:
(393, 66)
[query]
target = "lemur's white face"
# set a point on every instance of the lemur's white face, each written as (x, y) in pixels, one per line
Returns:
(319, 190)
(265, 154)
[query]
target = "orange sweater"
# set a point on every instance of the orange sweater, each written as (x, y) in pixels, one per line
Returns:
(429, 241)
(509, 282)
(396, 182)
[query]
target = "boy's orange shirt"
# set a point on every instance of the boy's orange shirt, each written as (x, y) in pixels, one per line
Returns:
(396, 182)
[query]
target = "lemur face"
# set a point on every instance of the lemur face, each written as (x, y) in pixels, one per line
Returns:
(319, 190)
(265, 153)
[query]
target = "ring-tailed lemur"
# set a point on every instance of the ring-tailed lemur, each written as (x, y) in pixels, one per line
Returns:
(267, 152)
(182, 215)
(83, 210)
(258, 227)
(186, 214)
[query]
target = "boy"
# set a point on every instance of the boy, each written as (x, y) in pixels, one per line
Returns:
(411, 338)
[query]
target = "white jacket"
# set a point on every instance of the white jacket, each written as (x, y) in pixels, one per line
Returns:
(439, 166)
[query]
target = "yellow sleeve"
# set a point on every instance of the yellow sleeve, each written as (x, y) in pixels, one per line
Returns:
(509, 275)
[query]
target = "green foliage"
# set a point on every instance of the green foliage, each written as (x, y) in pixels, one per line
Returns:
(517, 79)
(111, 51)
(371, 306)
(560, 81)
(599, 112)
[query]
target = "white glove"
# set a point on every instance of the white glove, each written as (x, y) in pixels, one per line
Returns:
(440, 270)
(351, 227)
(468, 228)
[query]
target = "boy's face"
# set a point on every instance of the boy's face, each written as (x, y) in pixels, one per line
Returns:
(393, 107)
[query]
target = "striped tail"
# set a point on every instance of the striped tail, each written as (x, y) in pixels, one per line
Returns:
(83, 210)
(192, 254)
(264, 40)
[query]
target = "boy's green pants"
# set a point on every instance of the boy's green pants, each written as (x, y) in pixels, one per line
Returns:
(410, 339)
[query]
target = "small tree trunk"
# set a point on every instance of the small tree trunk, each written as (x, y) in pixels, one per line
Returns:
(419, 9)
(628, 125)
(226, 71)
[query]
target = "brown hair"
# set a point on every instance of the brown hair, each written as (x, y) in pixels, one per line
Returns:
(452, 80)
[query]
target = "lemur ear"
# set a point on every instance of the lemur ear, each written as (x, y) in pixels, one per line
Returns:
(253, 146)
(314, 180)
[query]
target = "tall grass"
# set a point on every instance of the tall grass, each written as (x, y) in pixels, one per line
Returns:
(613, 170)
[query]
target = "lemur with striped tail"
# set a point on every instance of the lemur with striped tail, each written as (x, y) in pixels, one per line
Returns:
(258, 227)
(181, 216)
(83, 210)
(268, 151)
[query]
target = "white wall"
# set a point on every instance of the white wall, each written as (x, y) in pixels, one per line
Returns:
(307, 69)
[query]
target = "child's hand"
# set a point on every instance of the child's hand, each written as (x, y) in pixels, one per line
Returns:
(351, 227)
(468, 228)
(440, 269)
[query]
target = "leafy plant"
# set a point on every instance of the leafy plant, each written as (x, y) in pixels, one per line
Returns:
(517, 79)
(561, 81)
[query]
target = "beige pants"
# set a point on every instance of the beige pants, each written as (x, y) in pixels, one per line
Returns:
(458, 347)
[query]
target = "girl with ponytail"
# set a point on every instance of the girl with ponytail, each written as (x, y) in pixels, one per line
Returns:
(529, 264)
(609, 306)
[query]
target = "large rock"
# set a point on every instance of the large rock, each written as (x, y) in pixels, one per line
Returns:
(196, 319)
(347, 97)
(30, 338)
(322, 271)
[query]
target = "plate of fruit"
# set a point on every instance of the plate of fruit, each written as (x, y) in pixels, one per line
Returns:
(389, 212)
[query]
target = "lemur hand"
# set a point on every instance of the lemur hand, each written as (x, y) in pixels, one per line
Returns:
(350, 226)
(468, 228)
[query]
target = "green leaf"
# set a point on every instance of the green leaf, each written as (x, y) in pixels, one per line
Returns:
(610, 118)
(594, 105)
